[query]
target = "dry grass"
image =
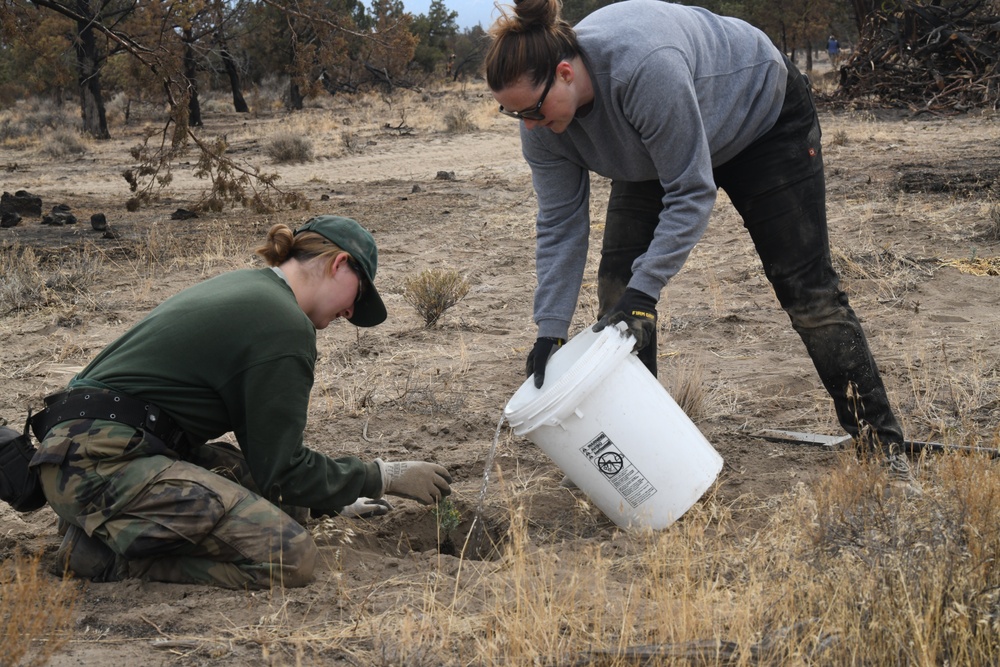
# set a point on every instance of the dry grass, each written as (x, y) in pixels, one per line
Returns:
(31, 282)
(26, 122)
(854, 571)
(36, 612)
(459, 122)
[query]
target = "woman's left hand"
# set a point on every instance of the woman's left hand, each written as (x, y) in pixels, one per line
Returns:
(365, 508)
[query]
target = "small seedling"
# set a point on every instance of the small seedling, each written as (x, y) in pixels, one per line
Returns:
(447, 515)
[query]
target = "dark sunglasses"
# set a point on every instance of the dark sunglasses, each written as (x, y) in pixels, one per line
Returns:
(534, 113)
(361, 278)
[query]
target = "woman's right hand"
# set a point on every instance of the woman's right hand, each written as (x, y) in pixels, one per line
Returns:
(539, 357)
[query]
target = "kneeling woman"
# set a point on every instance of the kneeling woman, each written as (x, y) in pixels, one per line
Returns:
(125, 457)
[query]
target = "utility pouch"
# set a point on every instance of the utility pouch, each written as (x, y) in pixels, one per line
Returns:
(19, 484)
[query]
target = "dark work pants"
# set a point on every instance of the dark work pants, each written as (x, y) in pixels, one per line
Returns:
(777, 186)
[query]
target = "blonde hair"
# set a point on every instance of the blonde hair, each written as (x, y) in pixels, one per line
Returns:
(531, 40)
(283, 244)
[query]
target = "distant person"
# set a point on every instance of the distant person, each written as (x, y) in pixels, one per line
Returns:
(125, 457)
(672, 102)
(833, 50)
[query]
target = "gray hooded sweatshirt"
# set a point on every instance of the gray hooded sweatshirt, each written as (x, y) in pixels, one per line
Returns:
(677, 91)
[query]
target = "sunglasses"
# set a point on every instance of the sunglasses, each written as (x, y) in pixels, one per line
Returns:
(361, 278)
(534, 113)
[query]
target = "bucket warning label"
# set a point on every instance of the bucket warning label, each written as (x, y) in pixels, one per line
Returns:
(618, 470)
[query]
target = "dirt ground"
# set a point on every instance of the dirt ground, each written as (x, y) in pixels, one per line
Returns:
(913, 224)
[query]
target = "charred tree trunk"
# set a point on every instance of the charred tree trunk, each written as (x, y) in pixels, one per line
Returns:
(191, 80)
(233, 73)
(88, 62)
(296, 100)
(862, 9)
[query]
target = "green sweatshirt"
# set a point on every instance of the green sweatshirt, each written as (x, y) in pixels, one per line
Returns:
(236, 353)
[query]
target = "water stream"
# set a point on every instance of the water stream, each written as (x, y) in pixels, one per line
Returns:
(474, 542)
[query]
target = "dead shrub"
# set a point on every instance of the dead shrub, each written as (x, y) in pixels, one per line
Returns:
(288, 147)
(433, 292)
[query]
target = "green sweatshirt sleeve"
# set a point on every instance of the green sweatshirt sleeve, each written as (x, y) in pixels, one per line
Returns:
(270, 403)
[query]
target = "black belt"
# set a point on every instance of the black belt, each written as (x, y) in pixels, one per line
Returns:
(109, 405)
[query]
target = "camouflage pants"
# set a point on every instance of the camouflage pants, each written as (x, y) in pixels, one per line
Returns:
(197, 520)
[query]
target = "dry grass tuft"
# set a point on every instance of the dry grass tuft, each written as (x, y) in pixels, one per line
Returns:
(23, 286)
(687, 388)
(892, 276)
(36, 612)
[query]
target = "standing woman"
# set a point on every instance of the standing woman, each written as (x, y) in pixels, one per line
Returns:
(125, 458)
(672, 102)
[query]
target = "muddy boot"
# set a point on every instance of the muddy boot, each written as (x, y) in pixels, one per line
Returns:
(86, 557)
(898, 466)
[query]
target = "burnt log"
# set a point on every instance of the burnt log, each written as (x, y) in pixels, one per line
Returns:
(21, 202)
(938, 58)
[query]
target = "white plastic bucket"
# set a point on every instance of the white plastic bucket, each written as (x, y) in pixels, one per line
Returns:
(615, 431)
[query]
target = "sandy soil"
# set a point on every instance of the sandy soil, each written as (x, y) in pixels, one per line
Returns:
(907, 197)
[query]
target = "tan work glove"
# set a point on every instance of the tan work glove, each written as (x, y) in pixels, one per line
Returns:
(424, 482)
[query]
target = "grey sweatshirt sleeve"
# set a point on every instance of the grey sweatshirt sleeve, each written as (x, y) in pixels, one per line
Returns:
(563, 229)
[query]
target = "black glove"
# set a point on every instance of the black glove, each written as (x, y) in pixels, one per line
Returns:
(638, 311)
(539, 356)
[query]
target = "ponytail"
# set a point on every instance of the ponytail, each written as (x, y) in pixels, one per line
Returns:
(283, 244)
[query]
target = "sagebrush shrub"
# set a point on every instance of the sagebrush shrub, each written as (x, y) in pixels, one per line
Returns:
(287, 147)
(459, 121)
(62, 143)
(433, 292)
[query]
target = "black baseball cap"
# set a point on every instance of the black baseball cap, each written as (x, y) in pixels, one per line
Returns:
(359, 242)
